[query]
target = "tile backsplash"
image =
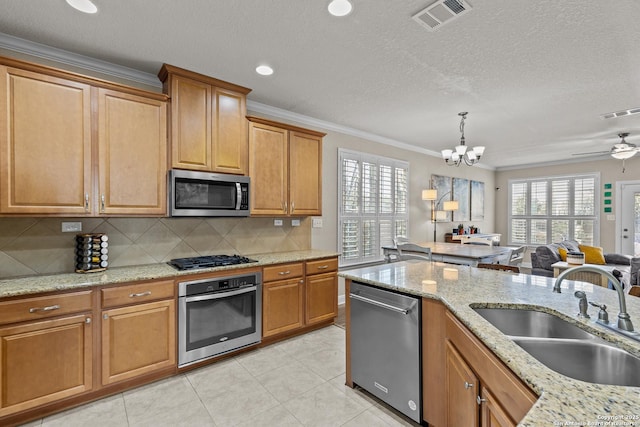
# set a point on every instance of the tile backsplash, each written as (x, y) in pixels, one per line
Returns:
(37, 246)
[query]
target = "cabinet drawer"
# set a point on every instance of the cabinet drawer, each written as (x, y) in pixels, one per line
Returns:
(322, 266)
(137, 293)
(282, 271)
(44, 307)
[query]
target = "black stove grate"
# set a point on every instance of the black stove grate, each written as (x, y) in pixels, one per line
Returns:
(208, 261)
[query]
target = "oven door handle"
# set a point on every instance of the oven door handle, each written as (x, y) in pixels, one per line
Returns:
(220, 295)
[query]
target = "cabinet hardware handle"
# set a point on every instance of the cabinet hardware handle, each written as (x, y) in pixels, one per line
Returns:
(86, 202)
(284, 273)
(102, 202)
(87, 320)
(285, 206)
(323, 267)
(105, 316)
(48, 308)
(467, 385)
(141, 294)
(293, 207)
(480, 400)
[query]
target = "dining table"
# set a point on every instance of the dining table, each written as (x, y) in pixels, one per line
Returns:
(456, 253)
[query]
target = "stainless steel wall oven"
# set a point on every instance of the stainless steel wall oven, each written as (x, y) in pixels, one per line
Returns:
(218, 315)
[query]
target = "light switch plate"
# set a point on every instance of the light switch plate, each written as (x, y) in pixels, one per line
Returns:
(316, 223)
(277, 223)
(295, 223)
(71, 227)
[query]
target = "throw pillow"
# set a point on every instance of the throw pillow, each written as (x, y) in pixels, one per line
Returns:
(563, 253)
(619, 259)
(571, 245)
(592, 254)
(547, 255)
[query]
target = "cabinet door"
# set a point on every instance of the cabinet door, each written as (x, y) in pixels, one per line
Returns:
(41, 362)
(282, 306)
(137, 340)
(230, 144)
(191, 105)
(268, 168)
(132, 154)
(492, 413)
(45, 144)
(462, 389)
(305, 171)
(322, 297)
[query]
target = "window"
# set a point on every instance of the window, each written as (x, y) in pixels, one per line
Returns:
(547, 210)
(373, 205)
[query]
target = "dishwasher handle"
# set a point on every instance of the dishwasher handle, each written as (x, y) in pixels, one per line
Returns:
(404, 311)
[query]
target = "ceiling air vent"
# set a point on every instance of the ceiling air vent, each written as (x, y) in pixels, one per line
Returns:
(622, 113)
(440, 13)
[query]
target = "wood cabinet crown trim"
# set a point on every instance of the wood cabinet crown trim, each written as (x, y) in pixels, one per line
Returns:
(168, 70)
(286, 126)
(82, 78)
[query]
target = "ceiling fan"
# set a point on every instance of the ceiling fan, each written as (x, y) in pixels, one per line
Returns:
(621, 150)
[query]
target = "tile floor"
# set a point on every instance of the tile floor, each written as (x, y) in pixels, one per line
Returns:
(297, 382)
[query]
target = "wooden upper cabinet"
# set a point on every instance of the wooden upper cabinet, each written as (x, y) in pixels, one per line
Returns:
(305, 174)
(78, 146)
(132, 145)
(208, 125)
(45, 144)
(285, 166)
(268, 166)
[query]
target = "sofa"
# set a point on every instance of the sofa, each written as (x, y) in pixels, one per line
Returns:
(547, 255)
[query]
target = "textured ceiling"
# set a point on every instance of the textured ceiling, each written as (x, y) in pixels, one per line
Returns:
(534, 75)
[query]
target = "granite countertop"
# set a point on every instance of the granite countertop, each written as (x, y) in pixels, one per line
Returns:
(60, 282)
(563, 400)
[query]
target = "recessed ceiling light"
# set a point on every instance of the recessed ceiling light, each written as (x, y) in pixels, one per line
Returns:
(264, 70)
(340, 7)
(85, 6)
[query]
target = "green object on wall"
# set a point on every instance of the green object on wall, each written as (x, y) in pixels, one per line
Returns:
(607, 186)
(607, 201)
(607, 194)
(607, 209)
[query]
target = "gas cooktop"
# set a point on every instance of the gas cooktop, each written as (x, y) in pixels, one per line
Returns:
(208, 261)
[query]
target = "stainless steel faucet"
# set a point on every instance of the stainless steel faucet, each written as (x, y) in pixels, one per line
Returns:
(624, 320)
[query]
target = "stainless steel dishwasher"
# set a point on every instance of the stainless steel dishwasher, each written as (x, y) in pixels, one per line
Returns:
(385, 347)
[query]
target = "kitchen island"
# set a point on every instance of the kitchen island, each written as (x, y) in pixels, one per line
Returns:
(562, 400)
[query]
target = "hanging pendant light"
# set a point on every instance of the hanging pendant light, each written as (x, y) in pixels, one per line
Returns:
(461, 153)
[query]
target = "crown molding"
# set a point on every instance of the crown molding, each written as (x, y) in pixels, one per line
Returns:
(555, 163)
(42, 51)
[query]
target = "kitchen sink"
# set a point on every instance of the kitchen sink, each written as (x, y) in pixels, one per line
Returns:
(564, 347)
(531, 323)
(591, 361)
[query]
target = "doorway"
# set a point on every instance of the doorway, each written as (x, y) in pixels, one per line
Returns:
(628, 218)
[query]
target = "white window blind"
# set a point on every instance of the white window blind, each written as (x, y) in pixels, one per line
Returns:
(547, 210)
(373, 205)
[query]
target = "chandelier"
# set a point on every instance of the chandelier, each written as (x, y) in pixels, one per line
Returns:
(461, 154)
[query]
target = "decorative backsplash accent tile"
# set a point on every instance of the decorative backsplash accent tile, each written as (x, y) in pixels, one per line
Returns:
(37, 246)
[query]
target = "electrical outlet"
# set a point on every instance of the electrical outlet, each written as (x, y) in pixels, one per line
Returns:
(277, 223)
(295, 223)
(71, 227)
(611, 217)
(316, 223)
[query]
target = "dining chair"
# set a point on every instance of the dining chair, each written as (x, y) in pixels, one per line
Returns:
(516, 256)
(413, 251)
(501, 267)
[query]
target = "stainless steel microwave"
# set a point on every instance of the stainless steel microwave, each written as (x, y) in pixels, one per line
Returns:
(195, 193)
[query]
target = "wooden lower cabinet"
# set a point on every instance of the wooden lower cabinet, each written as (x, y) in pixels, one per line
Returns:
(461, 390)
(307, 297)
(282, 306)
(45, 361)
(137, 340)
(464, 383)
(321, 297)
